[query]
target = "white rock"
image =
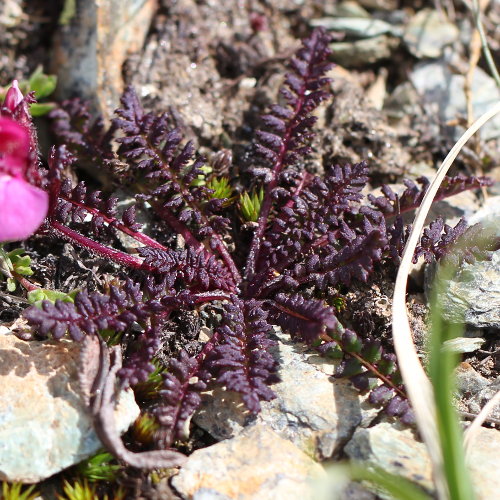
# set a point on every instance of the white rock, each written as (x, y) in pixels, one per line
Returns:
(4, 330)
(489, 212)
(256, 465)
(478, 400)
(357, 27)
(398, 452)
(44, 424)
(364, 51)
(312, 409)
(428, 32)
(463, 344)
(348, 8)
(11, 14)
(438, 85)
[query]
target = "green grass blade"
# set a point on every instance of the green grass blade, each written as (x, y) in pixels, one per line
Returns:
(442, 363)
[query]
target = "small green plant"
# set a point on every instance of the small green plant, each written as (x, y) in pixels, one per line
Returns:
(148, 390)
(201, 179)
(100, 467)
(78, 490)
(18, 491)
(36, 297)
(250, 205)
(221, 189)
(145, 428)
(16, 262)
(82, 490)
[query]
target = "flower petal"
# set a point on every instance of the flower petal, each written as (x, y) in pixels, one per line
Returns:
(13, 97)
(23, 208)
(14, 147)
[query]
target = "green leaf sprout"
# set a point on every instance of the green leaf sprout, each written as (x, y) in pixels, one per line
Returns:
(250, 205)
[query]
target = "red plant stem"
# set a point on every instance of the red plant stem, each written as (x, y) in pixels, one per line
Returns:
(226, 257)
(180, 228)
(98, 248)
(288, 311)
(207, 348)
(398, 210)
(186, 233)
(142, 238)
(267, 201)
(188, 236)
(26, 284)
(366, 364)
(200, 298)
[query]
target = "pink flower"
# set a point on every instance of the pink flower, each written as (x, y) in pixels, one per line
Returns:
(23, 207)
(13, 97)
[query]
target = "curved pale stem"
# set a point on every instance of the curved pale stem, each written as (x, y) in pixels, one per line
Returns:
(417, 383)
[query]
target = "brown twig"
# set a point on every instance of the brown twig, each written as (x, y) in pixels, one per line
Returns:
(474, 55)
(101, 377)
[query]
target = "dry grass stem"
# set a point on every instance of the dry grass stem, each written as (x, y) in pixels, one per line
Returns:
(417, 383)
(477, 10)
(474, 427)
(474, 55)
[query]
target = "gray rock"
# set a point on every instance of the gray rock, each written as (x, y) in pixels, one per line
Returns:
(398, 452)
(395, 451)
(124, 202)
(402, 101)
(348, 8)
(44, 425)
(439, 86)
(90, 49)
(484, 459)
(477, 401)
(362, 52)
(312, 409)
(473, 295)
(428, 32)
(357, 27)
(489, 212)
(256, 465)
(474, 390)
(468, 380)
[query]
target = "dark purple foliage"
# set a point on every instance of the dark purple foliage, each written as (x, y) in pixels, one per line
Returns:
(86, 137)
(138, 365)
(153, 149)
(305, 319)
(242, 361)
(197, 270)
(314, 237)
(392, 204)
(180, 395)
(289, 128)
(455, 244)
(90, 313)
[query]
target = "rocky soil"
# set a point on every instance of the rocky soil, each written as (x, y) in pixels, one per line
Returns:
(404, 91)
